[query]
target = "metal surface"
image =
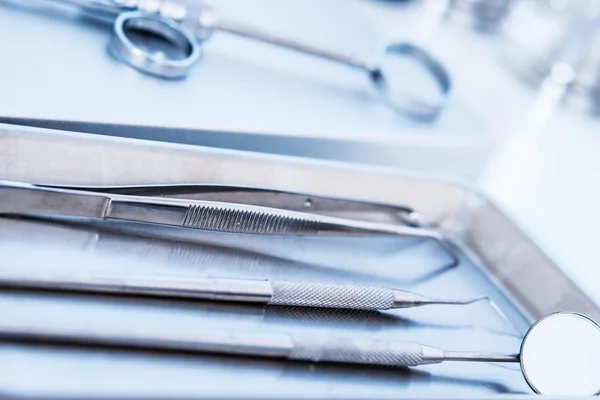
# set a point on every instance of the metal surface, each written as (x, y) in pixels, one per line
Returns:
(560, 355)
(217, 342)
(18, 198)
(246, 291)
(159, 19)
(270, 198)
(550, 363)
(250, 32)
(301, 294)
(376, 150)
(155, 63)
(81, 249)
(305, 348)
(459, 211)
(204, 21)
(497, 259)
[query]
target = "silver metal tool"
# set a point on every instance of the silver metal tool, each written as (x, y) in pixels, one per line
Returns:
(286, 200)
(186, 25)
(286, 293)
(24, 199)
(559, 355)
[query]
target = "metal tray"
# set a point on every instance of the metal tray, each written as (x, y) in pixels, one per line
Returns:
(497, 259)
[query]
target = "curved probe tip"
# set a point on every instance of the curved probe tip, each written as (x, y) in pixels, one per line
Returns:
(424, 300)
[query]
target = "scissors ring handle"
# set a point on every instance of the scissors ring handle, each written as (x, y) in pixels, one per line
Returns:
(154, 63)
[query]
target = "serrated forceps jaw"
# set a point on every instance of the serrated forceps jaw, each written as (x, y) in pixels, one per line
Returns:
(26, 199)
(278, 199)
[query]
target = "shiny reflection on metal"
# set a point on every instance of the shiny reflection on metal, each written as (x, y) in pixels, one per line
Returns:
(272, 316)
(371, 211)
(302, 294)
(156, 62)
(397, 99)
(367, 320)
(504, 252)
(478, 226)
(416, 109)
(247, 291)
(264, 345)
(172, 20)
(314, 348)
(234, 258)
(418, 300)
(228, 258)
(560, 355)
(24, 199)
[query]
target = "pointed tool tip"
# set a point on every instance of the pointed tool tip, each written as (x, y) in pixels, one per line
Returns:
(423, 300)
(475, 300)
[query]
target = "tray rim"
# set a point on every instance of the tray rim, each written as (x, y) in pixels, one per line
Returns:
(465, 213)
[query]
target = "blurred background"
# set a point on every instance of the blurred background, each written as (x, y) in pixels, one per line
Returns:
(521, 120)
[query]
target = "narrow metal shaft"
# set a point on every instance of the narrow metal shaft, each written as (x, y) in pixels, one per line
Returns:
(259, 35)
(244, 290)
(307, 348)
(483, 357)
(302, 294)
(209, 21)
(420, 300)
(262, 345)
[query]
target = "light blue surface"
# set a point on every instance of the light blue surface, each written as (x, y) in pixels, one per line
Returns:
(249, 87)
(59, 68)
(46, 370)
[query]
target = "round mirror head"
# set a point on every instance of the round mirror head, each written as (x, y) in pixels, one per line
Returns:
(560, 355)
(411, 81)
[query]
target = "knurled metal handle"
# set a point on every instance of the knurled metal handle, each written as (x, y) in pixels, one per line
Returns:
(331, 296)
(357, 351)
(225, 219)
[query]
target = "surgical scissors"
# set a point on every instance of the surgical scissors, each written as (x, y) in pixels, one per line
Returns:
(35, 200)
(186, 26)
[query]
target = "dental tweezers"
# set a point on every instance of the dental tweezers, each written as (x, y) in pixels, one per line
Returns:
(280, 199)
(286, 293)
(109, 203)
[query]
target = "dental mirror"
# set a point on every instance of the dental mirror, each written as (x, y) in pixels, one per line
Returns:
(560, 355)
(423, 92)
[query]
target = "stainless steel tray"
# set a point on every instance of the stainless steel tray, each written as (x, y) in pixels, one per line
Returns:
(497, 259)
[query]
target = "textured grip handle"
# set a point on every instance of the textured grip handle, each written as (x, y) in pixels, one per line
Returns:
(331, 296)
(246, 221)
(357, 351)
